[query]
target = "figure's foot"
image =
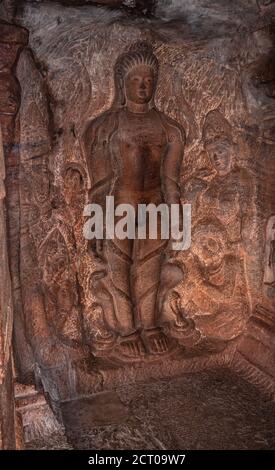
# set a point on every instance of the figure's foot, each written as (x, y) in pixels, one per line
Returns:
(133, 349)
(143, 345)
(157, 342)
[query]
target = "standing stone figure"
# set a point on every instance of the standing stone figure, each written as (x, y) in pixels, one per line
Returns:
(134, 153)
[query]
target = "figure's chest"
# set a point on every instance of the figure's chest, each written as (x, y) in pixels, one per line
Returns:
(141, 133)
(225, 197)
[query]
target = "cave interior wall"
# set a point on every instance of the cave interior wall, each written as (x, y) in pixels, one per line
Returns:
(216, 81)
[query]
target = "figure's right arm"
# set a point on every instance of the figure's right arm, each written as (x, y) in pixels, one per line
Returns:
(96, 140)
(88, 140)
(97, 148)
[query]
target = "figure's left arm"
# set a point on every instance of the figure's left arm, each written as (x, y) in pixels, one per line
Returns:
(172, 164)
(248, 208)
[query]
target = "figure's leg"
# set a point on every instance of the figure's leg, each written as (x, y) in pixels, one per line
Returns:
(118, 255)
(148, 257)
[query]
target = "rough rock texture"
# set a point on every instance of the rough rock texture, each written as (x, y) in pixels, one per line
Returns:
(7, 411)
(37, 418)
(12, 39)
(214, 410)
(96, 312)
(136, 7)
(83, 117)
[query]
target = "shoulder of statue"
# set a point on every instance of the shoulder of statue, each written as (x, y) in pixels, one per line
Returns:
(105, 119)
(105, 123)
(175, 132)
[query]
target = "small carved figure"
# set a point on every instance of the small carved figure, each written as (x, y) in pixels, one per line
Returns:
(63, 311)
(54, 257)
(52, 306)
(213, 301)
(226, 194)
(74, 183)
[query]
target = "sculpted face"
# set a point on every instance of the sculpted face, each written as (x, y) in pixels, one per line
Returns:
(139, 84)
(220, 152)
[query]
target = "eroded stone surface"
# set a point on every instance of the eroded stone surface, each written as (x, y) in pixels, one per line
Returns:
(218, 88)
(83, 331)
(37, 418)
(12, 38)
(215, 410)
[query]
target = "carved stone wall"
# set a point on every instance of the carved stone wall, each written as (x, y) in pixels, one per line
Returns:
(257, 348)
(93, 316)
(7, 412)
(12, 39)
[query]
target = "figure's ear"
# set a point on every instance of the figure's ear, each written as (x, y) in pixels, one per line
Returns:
(120, 92)
(152, 102)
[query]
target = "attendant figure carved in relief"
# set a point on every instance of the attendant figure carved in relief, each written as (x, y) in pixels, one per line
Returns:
(74, 180)
(227, 192)
(134, 153)
(212, 305)
(222, 201)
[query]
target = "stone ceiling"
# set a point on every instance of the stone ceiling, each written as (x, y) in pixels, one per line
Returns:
(195, 18)
(201, 19)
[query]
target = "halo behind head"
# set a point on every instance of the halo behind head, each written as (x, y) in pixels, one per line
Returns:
(140, 53)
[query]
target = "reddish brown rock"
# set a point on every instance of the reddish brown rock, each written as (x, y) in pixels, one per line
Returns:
(7, 411)
(12, 40)
(100, 313)
(85, 117)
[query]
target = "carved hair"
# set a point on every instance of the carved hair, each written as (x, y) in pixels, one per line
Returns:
(216, 124)
(140, 53)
